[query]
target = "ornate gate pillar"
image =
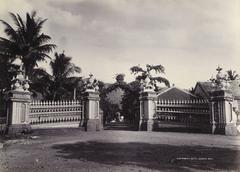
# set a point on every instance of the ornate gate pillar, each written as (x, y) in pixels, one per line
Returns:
(147, 109)
(19, 99)
(92, 121)
(222, 118)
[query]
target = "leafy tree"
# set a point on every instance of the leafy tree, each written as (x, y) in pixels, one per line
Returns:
(109, 108)
(143, 74)
(7, 71)
(130, 102)
(25, 41)
(120, 78)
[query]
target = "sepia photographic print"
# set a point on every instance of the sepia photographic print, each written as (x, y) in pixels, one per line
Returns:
(119, 85)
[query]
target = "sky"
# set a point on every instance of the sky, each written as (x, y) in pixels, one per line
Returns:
(190, 38)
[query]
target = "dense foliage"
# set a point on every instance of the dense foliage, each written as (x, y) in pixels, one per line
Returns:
(26, 42)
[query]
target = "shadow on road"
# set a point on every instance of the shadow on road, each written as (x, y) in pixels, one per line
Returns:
(152, 156)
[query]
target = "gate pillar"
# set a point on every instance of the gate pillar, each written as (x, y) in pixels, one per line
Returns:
(18, 102)
(223, 118)
(91, 113)
(147, 110)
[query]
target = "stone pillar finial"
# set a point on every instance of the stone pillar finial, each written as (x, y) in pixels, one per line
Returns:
(20, 82)
(221, 81)
(91, 84)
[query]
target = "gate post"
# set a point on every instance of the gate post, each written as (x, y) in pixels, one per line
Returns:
(92, 121)
(18, 101)
(147, 109)
(222, 118)
(91, 113)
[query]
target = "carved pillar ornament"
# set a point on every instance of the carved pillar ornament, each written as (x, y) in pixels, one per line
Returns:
(19, 82)
(221, 81)
(146, 84)
(91, 84)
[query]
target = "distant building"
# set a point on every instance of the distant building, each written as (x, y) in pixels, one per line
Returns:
(174, 93)
(202, 89)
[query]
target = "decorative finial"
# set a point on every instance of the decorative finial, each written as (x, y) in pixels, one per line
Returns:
(219, 68)
(220, 82)
(91, 84)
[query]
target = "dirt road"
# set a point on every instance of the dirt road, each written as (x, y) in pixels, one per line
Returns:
(73, 150)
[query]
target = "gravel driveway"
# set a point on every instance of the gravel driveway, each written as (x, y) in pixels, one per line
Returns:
(74, 150)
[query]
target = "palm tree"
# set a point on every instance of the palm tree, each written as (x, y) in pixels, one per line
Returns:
(62, 82)
(25, 41)
(40, 83)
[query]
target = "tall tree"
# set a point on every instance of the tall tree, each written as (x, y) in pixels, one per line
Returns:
(7, 71)
(143, 74)
(26, 41)
(130, 101)
(62, 81)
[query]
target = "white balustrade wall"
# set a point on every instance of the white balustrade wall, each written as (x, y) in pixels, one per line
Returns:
(183, 111)
(195, 106)
(42, 112)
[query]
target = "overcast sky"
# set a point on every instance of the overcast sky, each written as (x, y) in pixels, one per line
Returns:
(105, 37)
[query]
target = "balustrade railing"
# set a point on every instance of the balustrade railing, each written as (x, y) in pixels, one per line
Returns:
(187, 112)
(42, 112)
(198, 106)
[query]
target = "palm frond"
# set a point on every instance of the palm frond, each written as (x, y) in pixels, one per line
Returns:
(11, 33)
(46, 48)
(41, 39)
(136, 69)
(33, 14)
(156, 68)
(15, 19)
(161, 80)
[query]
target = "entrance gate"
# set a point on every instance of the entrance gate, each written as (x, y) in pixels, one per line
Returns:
(126, 117)
(218, 114)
